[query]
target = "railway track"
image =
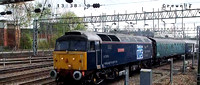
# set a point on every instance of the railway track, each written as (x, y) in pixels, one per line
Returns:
(24, 53)
(26, 70)
(45, 80)
(15, 68)
(32, 74)
(21, 72)
(161, 75)
(9, 61)
(22, 76)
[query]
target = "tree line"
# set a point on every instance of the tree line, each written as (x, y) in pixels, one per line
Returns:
(23, 16)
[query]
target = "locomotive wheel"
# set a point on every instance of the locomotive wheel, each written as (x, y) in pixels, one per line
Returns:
(95, 80)
(149, 64)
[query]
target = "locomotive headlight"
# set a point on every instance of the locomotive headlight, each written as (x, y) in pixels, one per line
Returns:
(73, 59)
(69, 66)
(61, 58)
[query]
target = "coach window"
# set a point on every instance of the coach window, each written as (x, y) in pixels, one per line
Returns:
(96, 45)
(92, 45)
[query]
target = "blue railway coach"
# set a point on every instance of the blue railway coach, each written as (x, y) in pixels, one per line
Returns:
(123, 49)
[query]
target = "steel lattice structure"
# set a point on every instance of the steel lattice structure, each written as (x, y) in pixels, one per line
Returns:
(155, 15)
(168, 14)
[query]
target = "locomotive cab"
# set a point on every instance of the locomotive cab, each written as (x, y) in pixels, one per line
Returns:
(70, 56)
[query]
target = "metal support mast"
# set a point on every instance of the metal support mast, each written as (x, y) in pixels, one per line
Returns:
(35, 35)
(155, 15)
(198, 73)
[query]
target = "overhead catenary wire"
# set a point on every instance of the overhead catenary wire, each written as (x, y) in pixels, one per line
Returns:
(128, 3)
(43, 8)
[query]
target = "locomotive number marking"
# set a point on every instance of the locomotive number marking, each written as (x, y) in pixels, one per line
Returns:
(110, 62)
(106, 56)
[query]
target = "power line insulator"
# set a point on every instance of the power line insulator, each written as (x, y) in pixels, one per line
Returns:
(96, 5)
(38, 10)
(8, 12)
(69, 1)
(3, 13)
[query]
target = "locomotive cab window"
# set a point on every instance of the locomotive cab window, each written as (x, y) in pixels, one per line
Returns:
(71, 45)
(92, 45)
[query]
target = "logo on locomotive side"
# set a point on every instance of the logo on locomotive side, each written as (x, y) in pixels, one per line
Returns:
(120, 50)
(139, 52)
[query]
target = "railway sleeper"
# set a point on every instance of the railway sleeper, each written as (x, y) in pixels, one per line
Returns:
(22, 68)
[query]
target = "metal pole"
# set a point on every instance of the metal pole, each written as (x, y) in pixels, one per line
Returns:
(197, 43)
(198, 75)
(30, 59)
(174, 31)
(118, 22)
(158, 20)
(144, 19)
(35, 34)
(85, 5)
(153, 22)
(171, 71)
(182, 25)
(193, 53)
(126, 76)
(4, 62)
(183, 64)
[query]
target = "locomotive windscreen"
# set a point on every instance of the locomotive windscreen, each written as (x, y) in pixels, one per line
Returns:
(71, 45)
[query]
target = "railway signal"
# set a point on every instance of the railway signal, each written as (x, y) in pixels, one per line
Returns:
(69, 1)
(3, 13)
(6, 13)
(38, 10)
(96, 5)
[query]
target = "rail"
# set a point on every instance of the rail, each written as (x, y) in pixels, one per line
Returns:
(8, 61)
(24, 53)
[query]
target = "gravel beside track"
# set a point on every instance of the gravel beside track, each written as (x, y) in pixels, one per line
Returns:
(45, 80)
(161, 75)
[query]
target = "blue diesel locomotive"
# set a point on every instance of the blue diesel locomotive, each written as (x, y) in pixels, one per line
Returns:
(89, 56)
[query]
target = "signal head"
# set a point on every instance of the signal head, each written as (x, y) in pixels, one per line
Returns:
(69, 1)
